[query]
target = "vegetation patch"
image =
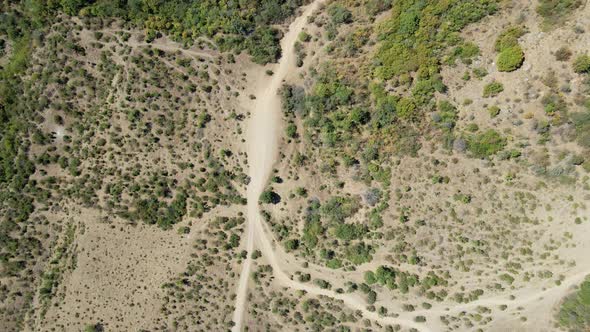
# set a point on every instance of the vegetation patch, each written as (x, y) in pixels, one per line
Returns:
(486, 144)
(492, 89)
(581, 64)
(581, 122)
(395, 279)
(555, 12)
(510, 59)
(574, 313)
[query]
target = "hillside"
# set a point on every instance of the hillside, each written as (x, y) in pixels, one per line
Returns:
(340, 165)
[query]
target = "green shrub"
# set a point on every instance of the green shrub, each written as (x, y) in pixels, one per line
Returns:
(338, 208)
(510, 59)
(263, 45)
(472, 127)
(554, 104)
(322, 283)
(234, 25)
(339, 14)
(349, 232)
(494, 111)
(304, 37)
(406, 109)
(370, 277)
(486, 144)
(334, 263)
(291, 130)
(375, 7)
(507, 278)
(184, 230)
(395, 58)
(511, 54)
(480, 72)
(424, 90)
(291, 244)
(302, 192)
(371, 297)
(305, 277)
(446, 116)
(463, 198)
(359, 253)
(581, 64)
(153, 211)
(269, 196)
(94, 328)
(256, 254)
(492, 89)
(577, 160)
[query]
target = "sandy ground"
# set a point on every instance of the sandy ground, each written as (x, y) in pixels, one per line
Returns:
(118, 275)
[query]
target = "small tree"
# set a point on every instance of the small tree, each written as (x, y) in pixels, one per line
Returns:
(291, 244)
(371, 297)
(269, 196)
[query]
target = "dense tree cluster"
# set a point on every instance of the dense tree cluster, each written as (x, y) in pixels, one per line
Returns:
(237, 25)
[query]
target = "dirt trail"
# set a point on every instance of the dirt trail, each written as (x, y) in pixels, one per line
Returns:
(262, 148)
(522, 297)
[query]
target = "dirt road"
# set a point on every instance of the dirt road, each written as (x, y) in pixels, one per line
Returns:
(262, 149)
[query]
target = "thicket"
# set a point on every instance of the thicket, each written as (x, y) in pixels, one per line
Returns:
(153, 211)
(416, 36)
(574, 313)
(393, 278)
(17, 192)
(414, 43)
(233, 25)
(329, 218)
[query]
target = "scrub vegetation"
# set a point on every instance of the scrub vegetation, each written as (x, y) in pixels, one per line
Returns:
(432, 154)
